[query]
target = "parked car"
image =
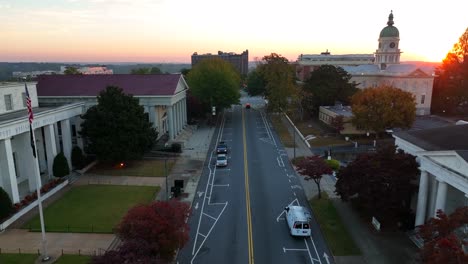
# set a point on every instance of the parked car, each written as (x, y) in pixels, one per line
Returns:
(247, 106)
(298, 218)
(221, 148)
(221, 160)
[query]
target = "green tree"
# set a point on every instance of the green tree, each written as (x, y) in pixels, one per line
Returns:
(328, 84)
(6, 206)
(155, 70)
(60, 166)
(255, 83)
(450, 90)
(384, 107)
(279, 76)
(214, 82)
(70, 70)
(117, 128)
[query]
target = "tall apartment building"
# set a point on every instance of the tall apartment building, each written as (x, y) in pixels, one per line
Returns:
(239, 61)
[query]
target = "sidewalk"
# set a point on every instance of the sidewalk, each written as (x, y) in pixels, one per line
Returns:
(376, 248)
(188, 167)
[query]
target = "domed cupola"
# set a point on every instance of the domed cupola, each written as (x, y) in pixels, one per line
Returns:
(389, 40)
(390, 30)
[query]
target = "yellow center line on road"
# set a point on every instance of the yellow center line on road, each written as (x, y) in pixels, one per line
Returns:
(247, 194)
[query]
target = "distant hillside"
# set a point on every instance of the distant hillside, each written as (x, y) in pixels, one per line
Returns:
(7, 68)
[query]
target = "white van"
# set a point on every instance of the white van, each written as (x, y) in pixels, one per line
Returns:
(298, 218)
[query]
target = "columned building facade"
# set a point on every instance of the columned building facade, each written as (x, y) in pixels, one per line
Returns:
(442, 154)
(163, 96)
(54, 133)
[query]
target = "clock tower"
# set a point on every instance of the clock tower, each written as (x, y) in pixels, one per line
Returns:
(388, 51)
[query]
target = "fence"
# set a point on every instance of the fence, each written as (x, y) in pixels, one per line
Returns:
(93, 252)
(73, 229)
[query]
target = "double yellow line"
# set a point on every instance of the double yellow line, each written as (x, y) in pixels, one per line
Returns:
(247, 195)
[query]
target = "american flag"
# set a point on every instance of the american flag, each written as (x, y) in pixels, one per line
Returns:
(31, 117)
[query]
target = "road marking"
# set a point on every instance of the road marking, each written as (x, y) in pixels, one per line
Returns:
(214, 218)
(196, 206)
(316, 252)
(325, 256)
(221, 185)
(293, 249)
(247, 195)
(294, 201)
(294, 194)
(199, 194)
(296, 187)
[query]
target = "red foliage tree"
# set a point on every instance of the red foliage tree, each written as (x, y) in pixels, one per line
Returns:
(441, 245)
(381, 183)
(338, 123)
(161, 225)
(314, 167)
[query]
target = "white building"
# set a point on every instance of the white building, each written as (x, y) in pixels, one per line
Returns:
(443, 157)
(384, 68)
(162, 95)
(52, 127)
(90, 70)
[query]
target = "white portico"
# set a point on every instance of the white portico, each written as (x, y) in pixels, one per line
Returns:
(443, 157)
(53, 131)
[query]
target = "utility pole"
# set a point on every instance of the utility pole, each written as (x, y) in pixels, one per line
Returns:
(165, 173)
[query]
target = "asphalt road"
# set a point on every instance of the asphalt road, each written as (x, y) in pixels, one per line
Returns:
(238, 210)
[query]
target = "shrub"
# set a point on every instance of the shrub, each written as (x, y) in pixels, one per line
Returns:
(6, 206)
(176, 147)
(60, 167)
(77, 158)
(334, 164)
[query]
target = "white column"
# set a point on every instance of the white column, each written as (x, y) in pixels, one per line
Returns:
(57, 137)
(51, 147)
(170, 122)
(8, 174)
(176, 118)
(432, 196)
(151, 115)
(179, 118)
(185, 111)
(79, 138)
(441, 196)
(422, 199)
(66, 140)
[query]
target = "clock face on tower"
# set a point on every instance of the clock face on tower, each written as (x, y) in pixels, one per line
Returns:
(392, 45)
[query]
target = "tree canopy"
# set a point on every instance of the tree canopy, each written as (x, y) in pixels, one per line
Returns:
(326, 85)
(441, 245)
(313, 167)
(70, 70)
(380, 108)
(450, 90)
(382, 183)
(151, 70)
(279, 77)
(117, 128)
(150, 234)
(255, 83)
(215, 82)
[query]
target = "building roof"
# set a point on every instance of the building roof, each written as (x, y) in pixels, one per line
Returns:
(391, 70)
(453, 137)
(389, 30)
(91, 85)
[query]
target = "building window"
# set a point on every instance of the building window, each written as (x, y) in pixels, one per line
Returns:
(8, 103)
(423, 98)
(23, 95)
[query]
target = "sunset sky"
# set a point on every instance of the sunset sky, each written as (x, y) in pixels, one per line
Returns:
(171, 30)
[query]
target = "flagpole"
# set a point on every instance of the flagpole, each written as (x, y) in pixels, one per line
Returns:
(45, 256)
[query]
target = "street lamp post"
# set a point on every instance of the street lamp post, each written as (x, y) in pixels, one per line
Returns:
(165, 173)
(294, 139)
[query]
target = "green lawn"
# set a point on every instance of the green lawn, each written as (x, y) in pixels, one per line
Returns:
(338, 238)
(92, 208)
(18, 258)
(73, 259)
(143, 168)
(282, 131)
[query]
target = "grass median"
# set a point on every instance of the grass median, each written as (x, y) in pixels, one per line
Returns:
(92, 208)
(336, 234)
(73, 259)
(18, 258)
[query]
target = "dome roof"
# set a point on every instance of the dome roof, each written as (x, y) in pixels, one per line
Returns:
(390, 30)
